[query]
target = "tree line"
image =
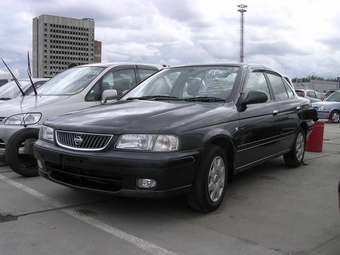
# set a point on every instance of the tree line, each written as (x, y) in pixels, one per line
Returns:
(313, 77)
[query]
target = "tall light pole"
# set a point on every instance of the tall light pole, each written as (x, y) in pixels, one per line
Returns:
(242, 10)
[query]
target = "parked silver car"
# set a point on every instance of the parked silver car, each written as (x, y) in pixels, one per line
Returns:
(11, 90)
(3, 81)
(329, 108)
(76, 88)
(312, 95)
(328, 93)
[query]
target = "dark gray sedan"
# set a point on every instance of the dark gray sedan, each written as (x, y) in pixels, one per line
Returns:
(185, 130)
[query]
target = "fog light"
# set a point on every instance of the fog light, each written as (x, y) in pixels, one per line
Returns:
(146, 183)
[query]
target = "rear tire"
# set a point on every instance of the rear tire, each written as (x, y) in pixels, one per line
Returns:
(294, 158)
(22, 164)
(210, 181)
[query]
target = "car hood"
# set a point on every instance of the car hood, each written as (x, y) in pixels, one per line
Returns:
(28, 104)
(326, 103)
(304, 101)
(144, 116)
(4, 101)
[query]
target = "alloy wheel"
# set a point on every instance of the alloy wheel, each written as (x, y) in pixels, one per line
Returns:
(300, 146)
(335, 117)
(216, 181)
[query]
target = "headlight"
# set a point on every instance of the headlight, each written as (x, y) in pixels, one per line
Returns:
(46, 133)
(23, 119)
(145, 142)
(322, 108)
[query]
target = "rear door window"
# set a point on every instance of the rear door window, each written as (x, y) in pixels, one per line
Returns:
(289, 89)
(278, 86)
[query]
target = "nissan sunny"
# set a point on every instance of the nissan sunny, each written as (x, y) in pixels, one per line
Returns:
(183, 131)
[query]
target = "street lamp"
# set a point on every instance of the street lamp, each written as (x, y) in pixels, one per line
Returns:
(242, 10)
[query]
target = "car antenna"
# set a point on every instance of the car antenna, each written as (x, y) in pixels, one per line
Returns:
(14, 78)
(30, 74)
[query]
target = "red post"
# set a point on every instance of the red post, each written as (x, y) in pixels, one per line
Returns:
(315, 141)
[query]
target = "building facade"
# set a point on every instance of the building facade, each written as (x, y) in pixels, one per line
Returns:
(60, 41)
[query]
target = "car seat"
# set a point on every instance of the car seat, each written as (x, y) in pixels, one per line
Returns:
(193, 87)
(121, 84)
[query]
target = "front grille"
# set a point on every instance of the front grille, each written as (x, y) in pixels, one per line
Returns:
(81, 177)
(82, 141)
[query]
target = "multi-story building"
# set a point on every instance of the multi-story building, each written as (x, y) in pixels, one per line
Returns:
(59, 42)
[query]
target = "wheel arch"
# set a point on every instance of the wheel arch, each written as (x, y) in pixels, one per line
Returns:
(226, 144)
(304, 126)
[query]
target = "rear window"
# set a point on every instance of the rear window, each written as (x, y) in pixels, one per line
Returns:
(145, 73)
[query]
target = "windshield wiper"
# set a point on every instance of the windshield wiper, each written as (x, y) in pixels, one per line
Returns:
(154, 97)
(14, 78)
(5, 98)
(205, 99)
(30, 74)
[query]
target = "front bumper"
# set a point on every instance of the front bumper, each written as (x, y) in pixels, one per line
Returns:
(116, 172)
(323, 114)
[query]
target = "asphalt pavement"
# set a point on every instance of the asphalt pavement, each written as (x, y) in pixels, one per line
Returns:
(268, 210)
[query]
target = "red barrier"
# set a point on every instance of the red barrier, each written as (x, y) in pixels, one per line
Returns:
(315, 141)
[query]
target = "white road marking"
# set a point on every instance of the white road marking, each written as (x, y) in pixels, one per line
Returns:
(147, 246)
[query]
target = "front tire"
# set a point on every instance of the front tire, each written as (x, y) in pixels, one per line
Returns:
(210, 181)
(22, 164)
(294, 158)
(335, 116)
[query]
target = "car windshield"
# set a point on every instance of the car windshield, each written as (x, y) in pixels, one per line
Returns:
(71, 81)
(195, 83)
(334, 97)
(10, 90)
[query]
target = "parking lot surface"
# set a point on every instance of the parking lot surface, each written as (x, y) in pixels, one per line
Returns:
(268, 210)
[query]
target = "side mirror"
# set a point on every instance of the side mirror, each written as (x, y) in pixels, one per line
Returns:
(256, 97)
(253, 97)
(109, 94)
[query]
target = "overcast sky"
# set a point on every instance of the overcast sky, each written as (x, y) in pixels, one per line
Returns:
(299, 38)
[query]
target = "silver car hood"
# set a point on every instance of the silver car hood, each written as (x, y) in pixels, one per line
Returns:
(28, 104)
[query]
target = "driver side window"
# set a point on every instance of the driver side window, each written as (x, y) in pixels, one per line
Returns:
(120, 80)
(256, 81)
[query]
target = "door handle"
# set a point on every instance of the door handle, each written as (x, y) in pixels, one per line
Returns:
(275, 112)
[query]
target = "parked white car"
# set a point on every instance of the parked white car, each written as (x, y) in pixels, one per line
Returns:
(75, 88)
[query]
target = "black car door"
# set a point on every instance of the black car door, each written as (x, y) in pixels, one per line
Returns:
(289, 105)
(259, 126)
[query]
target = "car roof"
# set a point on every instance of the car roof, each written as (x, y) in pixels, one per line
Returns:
(233, 64)
(304, 89)
(114, 64)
